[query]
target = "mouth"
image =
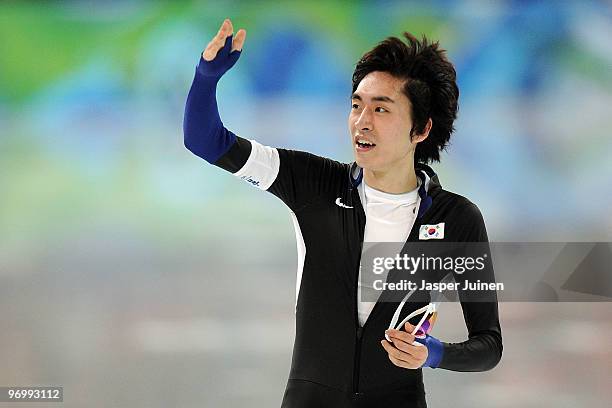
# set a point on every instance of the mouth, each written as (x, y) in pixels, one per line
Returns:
(363, 145)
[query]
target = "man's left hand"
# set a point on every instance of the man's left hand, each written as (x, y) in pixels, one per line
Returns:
(404, 351)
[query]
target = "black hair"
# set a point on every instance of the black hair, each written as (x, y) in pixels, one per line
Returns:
(430, 85)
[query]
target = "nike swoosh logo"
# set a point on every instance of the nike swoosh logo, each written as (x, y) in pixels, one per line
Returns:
(339, 203)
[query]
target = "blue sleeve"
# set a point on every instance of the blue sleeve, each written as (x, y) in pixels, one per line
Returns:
(204, 133)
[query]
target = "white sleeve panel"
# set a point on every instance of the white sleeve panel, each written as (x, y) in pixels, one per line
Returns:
(262, 166)
(301, 254)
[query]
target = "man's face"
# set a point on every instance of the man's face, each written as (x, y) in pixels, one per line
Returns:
(380, 116)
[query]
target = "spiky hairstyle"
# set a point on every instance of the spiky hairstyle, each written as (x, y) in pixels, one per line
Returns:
(430, 85)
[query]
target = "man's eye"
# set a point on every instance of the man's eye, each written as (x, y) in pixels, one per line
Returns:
(380, 107)
(355, 106)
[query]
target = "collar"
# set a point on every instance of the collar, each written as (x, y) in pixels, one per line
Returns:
(429, 182)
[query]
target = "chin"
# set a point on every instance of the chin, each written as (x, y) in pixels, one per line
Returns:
(365, 163)
(360, 161)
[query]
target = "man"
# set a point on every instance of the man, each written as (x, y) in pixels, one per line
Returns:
(403, 106)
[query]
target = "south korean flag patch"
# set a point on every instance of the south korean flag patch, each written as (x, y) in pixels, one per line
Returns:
(428, 231)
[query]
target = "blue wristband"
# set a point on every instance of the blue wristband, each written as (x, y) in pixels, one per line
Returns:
(435, 351)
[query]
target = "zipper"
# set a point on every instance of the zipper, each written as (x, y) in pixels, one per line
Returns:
(358, 328)
(357, 361)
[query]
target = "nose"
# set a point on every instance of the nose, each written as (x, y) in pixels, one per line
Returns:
(364, 121)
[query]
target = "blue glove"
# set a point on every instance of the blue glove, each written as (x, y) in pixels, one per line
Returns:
(435, 350)
(222, 62)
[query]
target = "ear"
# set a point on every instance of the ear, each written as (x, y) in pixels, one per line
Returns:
(422, 136)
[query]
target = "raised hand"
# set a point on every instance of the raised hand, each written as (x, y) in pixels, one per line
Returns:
(222, 51)
(219, 40)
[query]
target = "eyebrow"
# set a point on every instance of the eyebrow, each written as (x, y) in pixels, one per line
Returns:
(374, 98)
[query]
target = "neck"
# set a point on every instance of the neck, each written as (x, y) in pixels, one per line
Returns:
(395, 181)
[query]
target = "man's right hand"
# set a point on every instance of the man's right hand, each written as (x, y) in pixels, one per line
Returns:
(222, 51)
(218, 40)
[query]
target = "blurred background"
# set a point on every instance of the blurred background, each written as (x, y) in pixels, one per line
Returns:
(133, 274)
